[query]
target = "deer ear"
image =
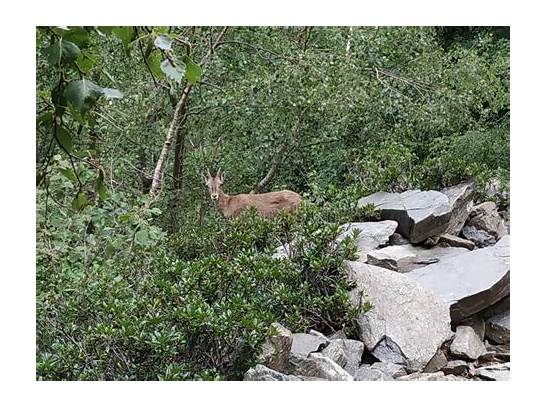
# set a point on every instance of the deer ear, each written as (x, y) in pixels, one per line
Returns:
(205, 180)
(221, 178)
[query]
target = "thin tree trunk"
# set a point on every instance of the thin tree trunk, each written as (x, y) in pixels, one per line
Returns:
(273, 169)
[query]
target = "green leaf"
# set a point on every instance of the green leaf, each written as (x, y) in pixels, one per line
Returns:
(163, 42)
(65, 139)
(193, 71)
(69, 174)
(111, 93)
(62, 51)
(78, 36)
(45, 118)
(175, 73)
(141, 237)
(154, 62)
(107, 30)
(82, 94)
(85, 62)
(101, 187)
(79, 201)
(126, 34)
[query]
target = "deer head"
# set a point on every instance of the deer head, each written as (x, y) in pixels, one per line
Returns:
(214, 184)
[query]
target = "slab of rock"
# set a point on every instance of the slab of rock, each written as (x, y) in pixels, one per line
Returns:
(420, 214)
(336, 352)
(436, 363)
(498, 328)
(407, 323)
(263, 373)
(455, 241)
(366, 373)
(317, 365)
(398, 239)
(500, 307)
(345, 352)
(496, 372)
(438, 376)
(276, 348)
(480, 237)
(467, 344)
(405, 258)
(455, 367)
(390, 369)
(303, 343)
(460, 201)
(469, 282)
(371, 235)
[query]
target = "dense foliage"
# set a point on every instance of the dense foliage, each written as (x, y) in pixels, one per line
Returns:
(139, 285)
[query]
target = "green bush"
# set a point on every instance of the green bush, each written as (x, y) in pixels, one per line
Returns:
(201, 307)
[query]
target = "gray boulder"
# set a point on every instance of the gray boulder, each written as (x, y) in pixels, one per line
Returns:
(498, 328)
(469, 282)
(303, 343)
(340, 334)
(423, 214)
(467, 344)
(371, 235)
(366, 373)
(485, 226)
(455, 367)
(317, 365)
(263, 373)
(405, 258)
(438, 376)
(477, 323)
(276, 348)
(407, 322)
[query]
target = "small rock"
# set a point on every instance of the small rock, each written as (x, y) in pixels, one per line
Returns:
(436, 363)
(498, 328)
(263, 373)
(460, 200)
(438, 376)
(336, 352)
(398, 239)
(467, 344)
(303, 344)
(366, 373)
(347, 353)
(317, 365)
(390, 369)
(276, 348)
(477, 324)
(319, 335)
(480, 237)
(496, 372)
(455, 367)
(455, 241)
(484, 225)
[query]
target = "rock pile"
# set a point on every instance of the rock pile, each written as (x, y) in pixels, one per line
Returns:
(436, 271)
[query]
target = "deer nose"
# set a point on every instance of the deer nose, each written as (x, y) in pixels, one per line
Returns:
(214, 197)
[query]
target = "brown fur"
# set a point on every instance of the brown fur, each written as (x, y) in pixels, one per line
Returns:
(267, 204)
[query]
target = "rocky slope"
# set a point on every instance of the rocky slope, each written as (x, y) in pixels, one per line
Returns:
(436, 271)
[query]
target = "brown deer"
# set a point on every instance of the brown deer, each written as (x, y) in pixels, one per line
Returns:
(267, 204)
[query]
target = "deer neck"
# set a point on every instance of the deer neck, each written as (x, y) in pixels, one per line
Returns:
(223, 202)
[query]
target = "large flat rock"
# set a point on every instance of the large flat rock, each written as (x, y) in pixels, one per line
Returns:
(423, 214)
(469, 282)
(371, 235)
(407, 322)
(263, 373)
(405, 258)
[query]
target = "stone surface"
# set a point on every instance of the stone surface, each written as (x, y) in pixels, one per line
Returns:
(455, 241)
(317, 365)
(405, 258)
(390, 369)
(336, 352)
(438, 376)
(469, 282)
(407, 322)
(398, 239)
(276, 348)
(460, 201)
(371, 235)
(455, 367)
(345, 352)
(340, 334)
(366, 373)
(496, 372)
(498, 328)
(477, 323)
(436, 363)
(420, 214)
(466, 344)
(303, 343)
(485, 225)
(263, 373)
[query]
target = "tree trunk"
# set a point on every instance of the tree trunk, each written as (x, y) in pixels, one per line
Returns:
(273, 169)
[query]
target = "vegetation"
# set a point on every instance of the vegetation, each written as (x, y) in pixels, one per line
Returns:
(138, 276)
